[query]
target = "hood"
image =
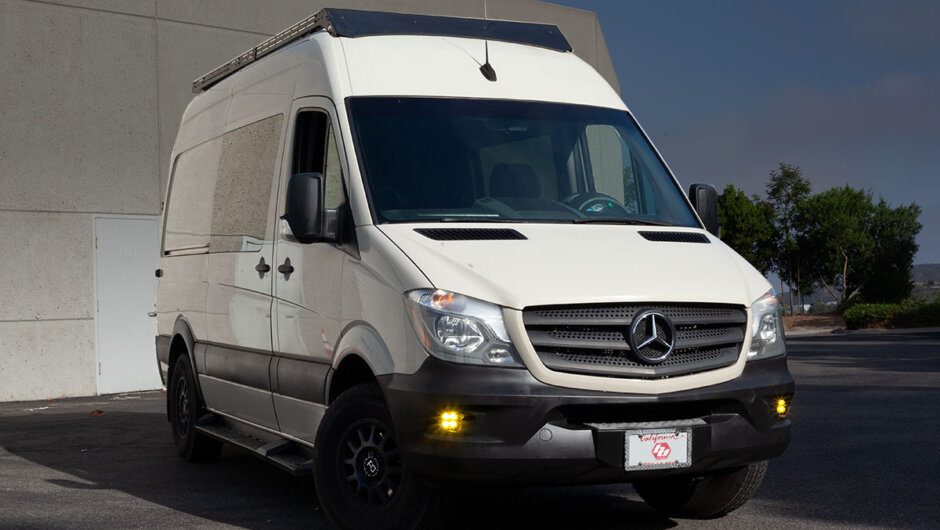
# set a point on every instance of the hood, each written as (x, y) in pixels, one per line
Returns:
(572, 264)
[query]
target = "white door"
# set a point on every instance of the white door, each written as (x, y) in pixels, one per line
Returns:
(125, 291)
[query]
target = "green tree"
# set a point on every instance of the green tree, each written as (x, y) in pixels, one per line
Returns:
(746, 227)
(887, 276)
(838, 243)
(787, 191)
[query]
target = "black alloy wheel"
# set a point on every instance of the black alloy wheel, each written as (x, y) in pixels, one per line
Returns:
(184, 409)
(370, 463)
(362, 479)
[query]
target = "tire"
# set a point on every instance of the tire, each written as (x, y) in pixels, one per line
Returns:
(185, 408)
(703, 497)
(360, 478)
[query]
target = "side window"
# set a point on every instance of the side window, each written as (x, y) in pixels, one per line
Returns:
(334, 175)
(242, 194)
(189, 208)
(612, 166)
(315, 152)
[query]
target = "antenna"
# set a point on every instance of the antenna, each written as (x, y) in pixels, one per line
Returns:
(487, 69)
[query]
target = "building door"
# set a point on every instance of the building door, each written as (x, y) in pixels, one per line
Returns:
(125, 290)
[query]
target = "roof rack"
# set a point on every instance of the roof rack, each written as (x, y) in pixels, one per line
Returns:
(355, 23)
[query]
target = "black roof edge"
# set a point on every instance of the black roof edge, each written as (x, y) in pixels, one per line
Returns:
(354, 23)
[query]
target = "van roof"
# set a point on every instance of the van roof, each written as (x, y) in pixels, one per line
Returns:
(355, 23)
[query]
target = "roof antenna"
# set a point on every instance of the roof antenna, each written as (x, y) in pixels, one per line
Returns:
(487, 69)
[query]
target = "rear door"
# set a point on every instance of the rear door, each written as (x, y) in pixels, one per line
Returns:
(240, 274)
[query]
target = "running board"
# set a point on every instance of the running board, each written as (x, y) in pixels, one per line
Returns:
(283, 453)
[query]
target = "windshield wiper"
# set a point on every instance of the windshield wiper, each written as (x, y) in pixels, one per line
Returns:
(471, 219)
(613, 221)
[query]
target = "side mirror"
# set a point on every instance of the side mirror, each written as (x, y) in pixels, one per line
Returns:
(304, 212)
(705, 201)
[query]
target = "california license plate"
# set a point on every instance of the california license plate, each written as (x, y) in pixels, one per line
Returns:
(665, 448)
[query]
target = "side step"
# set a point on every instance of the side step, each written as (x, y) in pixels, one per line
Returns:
(285, 454)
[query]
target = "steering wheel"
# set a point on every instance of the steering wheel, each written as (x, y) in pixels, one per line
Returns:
(595, 203)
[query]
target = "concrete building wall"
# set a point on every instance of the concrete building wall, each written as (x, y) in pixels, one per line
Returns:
(92, 92)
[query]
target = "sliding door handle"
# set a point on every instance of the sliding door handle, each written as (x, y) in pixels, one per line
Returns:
(262, 268)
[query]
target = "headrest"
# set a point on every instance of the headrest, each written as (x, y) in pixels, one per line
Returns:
(514, 180)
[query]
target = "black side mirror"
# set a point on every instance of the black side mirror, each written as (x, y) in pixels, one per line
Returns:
(304, 212)
(705, 201)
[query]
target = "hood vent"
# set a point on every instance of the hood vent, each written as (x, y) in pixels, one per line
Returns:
(675, 237)
(469, 234)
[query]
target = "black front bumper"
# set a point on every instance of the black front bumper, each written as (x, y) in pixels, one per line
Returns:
(520, 430)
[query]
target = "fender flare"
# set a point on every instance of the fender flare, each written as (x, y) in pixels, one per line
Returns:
(182, 329)
(361, 339)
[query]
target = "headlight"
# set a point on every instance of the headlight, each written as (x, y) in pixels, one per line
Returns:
(460, 329)
(766, 328)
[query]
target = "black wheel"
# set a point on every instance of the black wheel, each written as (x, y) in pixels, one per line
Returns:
(184, 409)
(361, 480)
(703, 497)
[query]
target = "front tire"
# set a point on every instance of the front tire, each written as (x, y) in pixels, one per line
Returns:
(703, 497)
(361, 480)
(185, 408)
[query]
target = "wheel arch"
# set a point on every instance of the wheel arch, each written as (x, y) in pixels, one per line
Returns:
(183, 342)
(361, 357)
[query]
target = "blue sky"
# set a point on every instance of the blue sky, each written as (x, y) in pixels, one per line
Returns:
(848, 90)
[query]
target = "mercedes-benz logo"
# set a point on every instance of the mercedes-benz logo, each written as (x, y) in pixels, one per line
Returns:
(652, 336)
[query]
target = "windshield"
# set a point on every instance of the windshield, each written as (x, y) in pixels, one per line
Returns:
(435, 159)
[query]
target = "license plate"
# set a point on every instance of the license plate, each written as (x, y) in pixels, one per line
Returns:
(664, 448)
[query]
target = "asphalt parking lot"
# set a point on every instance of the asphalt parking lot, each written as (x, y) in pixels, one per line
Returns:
(867, 419)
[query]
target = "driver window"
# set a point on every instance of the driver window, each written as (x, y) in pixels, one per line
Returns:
(611, 165)
(315, 152)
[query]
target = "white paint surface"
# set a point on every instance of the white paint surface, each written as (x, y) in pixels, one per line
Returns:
(125, 289)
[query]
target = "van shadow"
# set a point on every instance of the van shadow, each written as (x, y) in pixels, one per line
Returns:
(132, 452)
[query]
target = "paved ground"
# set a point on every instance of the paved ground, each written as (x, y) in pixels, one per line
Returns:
(864, 453)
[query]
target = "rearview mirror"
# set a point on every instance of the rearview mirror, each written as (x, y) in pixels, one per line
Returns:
(304, 212)
(704, 199)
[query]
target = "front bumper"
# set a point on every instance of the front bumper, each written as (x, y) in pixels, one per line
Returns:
(520, 430)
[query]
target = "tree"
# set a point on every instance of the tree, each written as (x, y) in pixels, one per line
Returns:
(787, 191)
(746, 227)
(835, 232)
(887, 276)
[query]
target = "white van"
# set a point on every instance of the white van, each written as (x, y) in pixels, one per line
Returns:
(408, 253)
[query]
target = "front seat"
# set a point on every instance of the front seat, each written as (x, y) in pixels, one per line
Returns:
(514, 181)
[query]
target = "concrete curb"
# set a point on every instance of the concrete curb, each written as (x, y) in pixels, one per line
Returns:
(879, 331)
(809, 332)
(812, 331)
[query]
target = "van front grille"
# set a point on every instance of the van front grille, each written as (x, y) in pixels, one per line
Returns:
(594, 339)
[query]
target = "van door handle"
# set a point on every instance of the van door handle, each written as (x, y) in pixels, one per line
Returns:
(285, 268)
(262, 268)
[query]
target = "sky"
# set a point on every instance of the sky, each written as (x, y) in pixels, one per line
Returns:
(847, 90)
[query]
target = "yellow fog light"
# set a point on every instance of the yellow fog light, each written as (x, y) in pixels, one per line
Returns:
(450, 421)
(782, 408)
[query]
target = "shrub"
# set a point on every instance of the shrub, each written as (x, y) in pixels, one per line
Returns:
(822, 308)
(910, 314)
(916, 316)
(861, 316)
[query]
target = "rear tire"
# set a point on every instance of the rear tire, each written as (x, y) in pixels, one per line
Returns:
(703, 497)
(185, 408)
(361, 480)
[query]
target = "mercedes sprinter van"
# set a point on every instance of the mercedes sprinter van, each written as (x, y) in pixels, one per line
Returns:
(406, 254)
